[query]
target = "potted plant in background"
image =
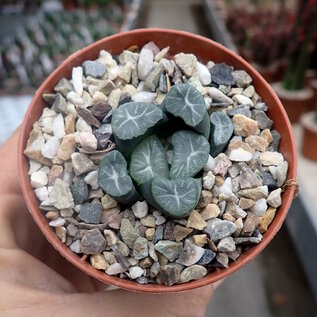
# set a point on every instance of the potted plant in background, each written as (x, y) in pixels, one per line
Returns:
(296, 97)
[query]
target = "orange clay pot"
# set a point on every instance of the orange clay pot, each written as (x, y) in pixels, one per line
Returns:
(178, 41)
(296, 102)
(309, 144)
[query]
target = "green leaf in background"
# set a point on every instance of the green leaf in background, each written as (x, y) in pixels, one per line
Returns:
(133, 119)
(186, 102)
(190, 153)
(114, 180)
(220, 132)
(176, 197)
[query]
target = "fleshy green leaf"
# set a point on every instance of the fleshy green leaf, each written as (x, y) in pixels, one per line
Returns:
(186, 102)
(190, 153)
(114, 180)
(220, 132)
(176, 197)
(204, 126)
(148, 160)
(133, 119)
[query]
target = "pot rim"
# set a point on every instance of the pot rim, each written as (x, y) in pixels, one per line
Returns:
(81, 263)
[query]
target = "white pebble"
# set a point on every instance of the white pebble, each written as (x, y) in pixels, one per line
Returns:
(41, 193)
(271, 158)
(58, 126)
(115, 269)
(204, 74)
(209, 181)
(135, 272)
(74, 99)
(38, 179)
(87, 140)
(34, 166)
(144, 96)
(66, 212)
(77, 208)
(140, 209)
(77, 77)
(92, 179)
(242, 100)
(145, 63)
(240, 155)
(210, 165)
(83, 126)
(59, 222)
(260, 207)
(273, 171)
(76, 247)
(208, 102)
(226, 188)
(169, 156)
(45, 169)
(50, 148)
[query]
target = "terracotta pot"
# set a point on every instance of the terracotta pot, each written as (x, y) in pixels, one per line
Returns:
(295, 102)
(309, 142)
(178, 41)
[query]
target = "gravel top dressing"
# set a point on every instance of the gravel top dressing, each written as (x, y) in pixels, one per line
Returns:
(159, 169)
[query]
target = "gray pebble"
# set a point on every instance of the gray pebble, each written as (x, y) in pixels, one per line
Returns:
(79, 190)
(218, 229)
(94, 69)
(140, 248)
(91, 212)
(93, 242)
(264, 122)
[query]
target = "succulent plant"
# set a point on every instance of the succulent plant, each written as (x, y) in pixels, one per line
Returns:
(139, 168)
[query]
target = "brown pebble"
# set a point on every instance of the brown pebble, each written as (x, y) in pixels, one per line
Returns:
(70, 123)
(196, 221)
(266, 220)
(52, 215)
(181, 232)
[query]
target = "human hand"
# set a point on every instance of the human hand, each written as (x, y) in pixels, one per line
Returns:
(35, 280)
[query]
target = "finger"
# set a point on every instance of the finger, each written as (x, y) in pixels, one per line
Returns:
(9, 180)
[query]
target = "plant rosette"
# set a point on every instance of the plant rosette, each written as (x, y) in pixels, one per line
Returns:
(157, 168)
(309, 141)
(295, 102)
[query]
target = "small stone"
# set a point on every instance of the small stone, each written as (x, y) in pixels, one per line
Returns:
(152, 252)
(152, 80)
(92, 179)
(191, 254)
(170, 274)
(108, 202)
(181, 232)
(241, 109)
(76, 246)
(259, 207)
(210, 211)
(83, 126)
(135, 272)
(122, 248)
(100, 109)
(249, 91)
(235, 211)
(226, 245)
(79, 190)
(244, 126)
(245, 203)
(200, 239)
(146, 263)
(144, 96)
(266, 220)
(208, 181)
(242, 100)
(223, 259)
(194, 272)
(281, 173)
(59, 104)
(114, 269)
(226, 187)
(268, 180)
(205, 198)
(149, 233)
(170, 249)
(222, 164)
(264, 122)
(219, 96)
(64, 86)
(110, 237)
(38, 179)
(161, 54)
(204, 74)
(155, 269)
(218, 229)
(168, 230)
(140, 248)
(247, 178)
(99, 262)
(274, 199)
(81, 163)
(195, 221)
(247, 240)
(91, 212)
(41, 193)
(234, 171)
(93, 242)
(234, 255)
(250, 224)
(34, 166)
(125, 72)
(254, 193)
(87, 141)
(128, 233)
(160, 220)
(60, 196)
(221, 74)
(145, 63)
(67, 147)
(207, 257)
(267, 135)
(276, 140)
(109, 257)
(239, 151)
(242, 78)
(59, 222)
(158, 235)
(153, 47)
(271, 158)
(257, 142)
(210, 164)
(140, 209)
(77, 77)
(50, 148)
(239, 224)
(94, 69)
(88, 116)
(186, 62)
(148, 221)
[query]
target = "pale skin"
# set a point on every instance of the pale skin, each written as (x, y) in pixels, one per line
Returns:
(36, 281)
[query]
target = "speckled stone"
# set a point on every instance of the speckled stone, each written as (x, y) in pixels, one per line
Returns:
(93, 242)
